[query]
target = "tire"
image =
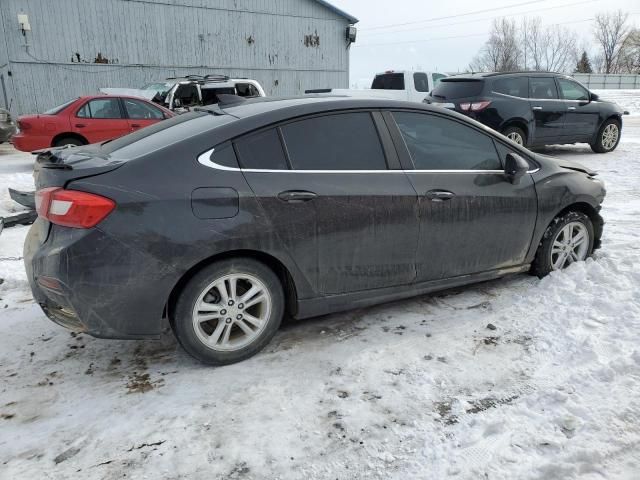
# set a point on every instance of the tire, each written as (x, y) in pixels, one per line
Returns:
(608, 137)
(552, 247)
(75, 141)
(229, 320)
(516, 134)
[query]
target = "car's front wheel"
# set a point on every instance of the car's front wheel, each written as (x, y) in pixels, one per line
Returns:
(229, 311)
(608, 137)
(567, 240)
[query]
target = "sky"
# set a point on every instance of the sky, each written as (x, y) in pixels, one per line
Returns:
(413, 35)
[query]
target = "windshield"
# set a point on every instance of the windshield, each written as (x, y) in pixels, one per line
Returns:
(388, 81)
(158, 87)
(59, 108)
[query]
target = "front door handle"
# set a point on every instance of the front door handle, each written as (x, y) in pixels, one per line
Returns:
(296, 196)
(571, 108)
(439, 195)
(537, 107)
(135, 125)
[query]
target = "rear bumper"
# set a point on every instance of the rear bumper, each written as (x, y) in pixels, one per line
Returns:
(29, 143)
(100, 286)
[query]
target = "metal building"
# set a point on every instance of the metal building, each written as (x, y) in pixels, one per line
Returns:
(52, 51)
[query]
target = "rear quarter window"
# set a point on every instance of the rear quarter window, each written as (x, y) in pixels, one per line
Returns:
(452, 88)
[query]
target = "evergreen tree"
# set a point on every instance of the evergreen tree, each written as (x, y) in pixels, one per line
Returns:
(584, 65)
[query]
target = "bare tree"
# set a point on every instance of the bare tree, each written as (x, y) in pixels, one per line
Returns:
(611, 31)
(502, 50)
(629, 56)
(550, 48)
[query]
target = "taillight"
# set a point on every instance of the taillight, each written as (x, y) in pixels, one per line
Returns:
(475, 106)
(71, 208)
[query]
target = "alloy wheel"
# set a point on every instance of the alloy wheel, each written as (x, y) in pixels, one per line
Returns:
(570, 245)
(516, 137)
(231, 312)
(610, 136)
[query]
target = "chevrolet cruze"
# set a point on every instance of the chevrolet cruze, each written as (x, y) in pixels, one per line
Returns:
(228, 218)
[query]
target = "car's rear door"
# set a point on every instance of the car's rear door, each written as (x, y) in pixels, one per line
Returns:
(583, 116)
(472, 219)
(100, 119)
(140, 113)
(547, 109)
(348, 220)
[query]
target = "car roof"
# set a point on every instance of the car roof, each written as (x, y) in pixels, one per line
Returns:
(481, 75)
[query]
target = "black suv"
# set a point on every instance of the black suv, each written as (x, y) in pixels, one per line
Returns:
(227, 218)
(533, 108)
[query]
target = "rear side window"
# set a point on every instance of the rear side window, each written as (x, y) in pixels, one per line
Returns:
(437, 143)
(388, 81)
(347, 141)
(450, 88)
(421, 82)
(542, 88)
(572, 91)
(101, 108)
(139, 110)
(514, 86)
(261, 150)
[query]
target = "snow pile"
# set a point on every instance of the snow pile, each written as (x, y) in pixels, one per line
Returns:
(629, 100)
(518, 378)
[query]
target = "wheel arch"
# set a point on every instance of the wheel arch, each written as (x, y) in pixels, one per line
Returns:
(590, 211)
(283, 273)
(70, 135)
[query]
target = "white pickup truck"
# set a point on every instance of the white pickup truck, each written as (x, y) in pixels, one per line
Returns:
(395, 85)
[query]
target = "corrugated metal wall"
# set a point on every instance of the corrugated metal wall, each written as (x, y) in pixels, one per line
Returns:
(287, 45)
(608, 81)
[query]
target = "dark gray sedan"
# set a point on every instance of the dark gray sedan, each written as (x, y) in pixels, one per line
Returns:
(226, 219)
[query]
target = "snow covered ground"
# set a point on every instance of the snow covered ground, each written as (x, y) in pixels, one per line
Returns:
(512, 379)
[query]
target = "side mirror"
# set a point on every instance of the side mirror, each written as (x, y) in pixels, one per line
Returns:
(515, 167)
(593, 97)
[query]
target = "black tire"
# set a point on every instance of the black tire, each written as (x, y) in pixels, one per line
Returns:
(542, 263)
(598, 145)
(182, 318)
(75, 141)
(517, 132)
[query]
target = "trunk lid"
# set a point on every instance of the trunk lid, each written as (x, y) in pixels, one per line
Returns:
(56, 167)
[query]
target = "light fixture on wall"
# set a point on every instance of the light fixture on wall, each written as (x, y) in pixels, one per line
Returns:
(351, 33)
(23, 21)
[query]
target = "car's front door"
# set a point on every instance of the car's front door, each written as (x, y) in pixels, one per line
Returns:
(347, 219)
(140, 113)
(472, 219)
(548, 111)
(582, 114)
(100, 119)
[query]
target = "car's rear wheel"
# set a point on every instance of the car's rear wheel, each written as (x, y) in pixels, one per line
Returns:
(567, 240)
(516, 134)
(608, 137)
(71, 141)
(229, 311)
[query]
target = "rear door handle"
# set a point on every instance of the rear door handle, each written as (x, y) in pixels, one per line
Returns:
(80, 125)
(537, 107)
(296, 196)
(135, 125)
(571, 108)
(439, 195)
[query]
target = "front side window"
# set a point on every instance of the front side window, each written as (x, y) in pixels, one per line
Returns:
(421, 82)
(346, 141)
(437, 143)
(572, 91)
(513, 86)
(542, 88)
(262, 150)
(139, 110)
(102, 108)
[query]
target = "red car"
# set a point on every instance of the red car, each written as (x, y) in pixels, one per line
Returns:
(89, 119)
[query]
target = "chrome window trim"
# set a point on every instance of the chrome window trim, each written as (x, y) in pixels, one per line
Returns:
(205, 159)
